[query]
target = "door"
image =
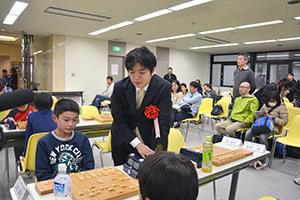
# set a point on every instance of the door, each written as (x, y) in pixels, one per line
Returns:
(116, 67)
(278, 71)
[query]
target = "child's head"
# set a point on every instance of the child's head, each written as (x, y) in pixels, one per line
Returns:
(43, 101)
(166, 175)
(65, 105)
(22, 108)
(66, 113)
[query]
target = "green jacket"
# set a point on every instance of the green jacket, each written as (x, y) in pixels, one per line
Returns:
(244, 109)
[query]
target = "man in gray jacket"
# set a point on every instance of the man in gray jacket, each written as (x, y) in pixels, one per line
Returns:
(243, 74)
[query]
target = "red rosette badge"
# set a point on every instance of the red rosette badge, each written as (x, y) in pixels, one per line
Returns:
(151, 112)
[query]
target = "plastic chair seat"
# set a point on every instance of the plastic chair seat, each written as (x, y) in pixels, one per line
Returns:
(88, 111)
(266, 198)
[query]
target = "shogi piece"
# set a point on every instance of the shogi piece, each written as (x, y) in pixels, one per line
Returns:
(102, 119)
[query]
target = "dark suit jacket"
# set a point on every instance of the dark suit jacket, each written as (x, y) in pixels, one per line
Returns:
(127, 118)
(173, 77)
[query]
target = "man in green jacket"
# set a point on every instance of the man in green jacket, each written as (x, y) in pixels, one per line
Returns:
(243, 112)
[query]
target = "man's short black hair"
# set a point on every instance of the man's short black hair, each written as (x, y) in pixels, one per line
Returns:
(141, 55)
(170, 68)
(110, 77)
(167, 176)
(4, 71)
(207, 85)
(195, 84)
(245, 55)
(291, 73)
(43, 101)
(65, 105)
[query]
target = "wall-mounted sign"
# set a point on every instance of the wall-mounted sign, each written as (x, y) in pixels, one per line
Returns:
(117, 48)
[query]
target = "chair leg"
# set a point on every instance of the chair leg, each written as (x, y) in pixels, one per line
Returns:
(187, 129)
(102, 165)
(283, 152)
(199, 131)
(203, 122)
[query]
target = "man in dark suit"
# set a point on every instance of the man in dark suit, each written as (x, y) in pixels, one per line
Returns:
(170, 76)
(132, 131)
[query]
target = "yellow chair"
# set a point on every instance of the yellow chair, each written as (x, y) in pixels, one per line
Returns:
(54, 98)
(195, 120)
(175, 140)
(29, 164)
(287, 104)
(104, 146)
(226, 99)
(293, 137)
(206, 106)
(4, 113)
(88, 111)
(266, 198)
(286, 100)
(225, 106)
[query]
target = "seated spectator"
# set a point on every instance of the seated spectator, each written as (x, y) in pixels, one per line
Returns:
(18, 114)
(200, 88)
(7, 89)
(6, 76)
(63, 145)
(209, 92)
(282, 87)
(243, 112)
(167, 176)
(176, 94)
(184, 89)
(41, 119)
(278, 112)
(188, 105)
(105, 95)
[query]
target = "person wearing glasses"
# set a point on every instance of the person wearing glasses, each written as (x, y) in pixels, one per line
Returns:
(243, 112)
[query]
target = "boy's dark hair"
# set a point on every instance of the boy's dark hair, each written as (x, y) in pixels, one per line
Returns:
(291, 73)
(65, 105)
(286, 83)
(141, 55)
(110, 77)
(3, 80)
(166, 175)
(170, 68)
(4, 71)
(207, 85)
(177, 83)
(183, 85)
(195, 85)
(43, 101)
(245, 55)
(273, 95)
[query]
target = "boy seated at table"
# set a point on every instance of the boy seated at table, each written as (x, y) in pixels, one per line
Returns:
(18, 114)
(40, 120)
(63, 145)
(166, 176)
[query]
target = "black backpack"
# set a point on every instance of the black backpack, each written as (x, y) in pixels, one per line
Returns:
(217, 110)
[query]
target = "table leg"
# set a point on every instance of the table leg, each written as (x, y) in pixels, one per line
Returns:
(234, 183)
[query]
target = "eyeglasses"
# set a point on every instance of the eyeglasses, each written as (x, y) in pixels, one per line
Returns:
(244, 87)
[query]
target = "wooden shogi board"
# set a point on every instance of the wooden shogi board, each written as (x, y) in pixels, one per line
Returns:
(102, 119)
(222, 156)
(104, 183)
(44, 187)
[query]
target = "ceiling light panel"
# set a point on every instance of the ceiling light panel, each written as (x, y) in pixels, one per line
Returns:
(259, 24)
(297, 18)
(188, 4)
(8, 38)
(126, 23)
(287, 39)
(218, 30)
(171, 38)
(18, 8)
(154, 14)
(262, 41)
(10, 19)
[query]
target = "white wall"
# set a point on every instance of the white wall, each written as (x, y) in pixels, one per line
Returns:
(189, 66)
(87, 60)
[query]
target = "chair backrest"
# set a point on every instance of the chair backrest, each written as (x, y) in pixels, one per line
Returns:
(286, 100)
(226, 99)
(88, 111)
(294, 134)
(30, 152)
(109, 142)
(175, 140)
(206, 105)
(287, 104)
(54, 98)
(4, 113)
(225, 106)
(292, 112)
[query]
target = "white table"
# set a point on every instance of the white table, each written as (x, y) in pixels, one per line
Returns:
(16, 137)
(218, 172)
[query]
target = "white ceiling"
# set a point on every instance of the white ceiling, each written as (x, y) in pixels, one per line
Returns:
(209, 16)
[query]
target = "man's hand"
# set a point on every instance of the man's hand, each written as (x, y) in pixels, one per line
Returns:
(144, 150)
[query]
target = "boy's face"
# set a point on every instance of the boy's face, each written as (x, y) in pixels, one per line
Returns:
(140, 76)
(192, 89)
(66, 122)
